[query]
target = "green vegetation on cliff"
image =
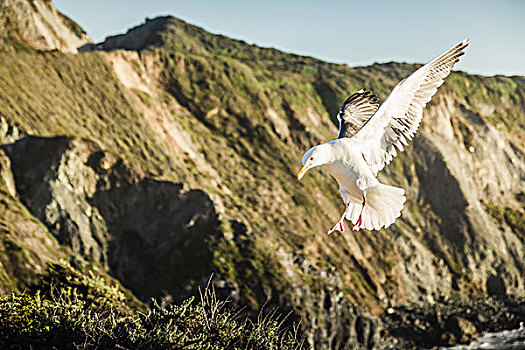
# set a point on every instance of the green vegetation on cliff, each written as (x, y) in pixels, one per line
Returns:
(515, 219)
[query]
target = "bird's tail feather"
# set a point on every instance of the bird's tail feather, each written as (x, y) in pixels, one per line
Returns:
(383, 206)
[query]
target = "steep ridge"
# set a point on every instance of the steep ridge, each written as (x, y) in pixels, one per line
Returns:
(177, 158)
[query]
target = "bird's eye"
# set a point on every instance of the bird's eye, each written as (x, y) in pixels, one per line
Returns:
(311, 158)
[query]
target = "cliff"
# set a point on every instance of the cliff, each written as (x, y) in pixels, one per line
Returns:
(38, 25)
(170, 153)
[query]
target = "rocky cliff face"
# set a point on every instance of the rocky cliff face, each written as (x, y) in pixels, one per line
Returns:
(39, 25)
(143, 231)
(176, 157)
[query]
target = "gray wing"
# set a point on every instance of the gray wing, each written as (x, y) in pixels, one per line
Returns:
(355, 112)
(398, 118)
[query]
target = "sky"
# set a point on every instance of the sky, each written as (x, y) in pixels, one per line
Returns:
(349, 32)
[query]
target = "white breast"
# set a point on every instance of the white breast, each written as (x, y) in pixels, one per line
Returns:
(350, 169)
(345, 176)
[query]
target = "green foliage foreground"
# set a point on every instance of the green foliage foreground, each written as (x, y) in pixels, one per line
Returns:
(81, 317)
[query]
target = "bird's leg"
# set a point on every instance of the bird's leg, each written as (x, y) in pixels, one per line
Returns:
(339, 225)
(357, 225)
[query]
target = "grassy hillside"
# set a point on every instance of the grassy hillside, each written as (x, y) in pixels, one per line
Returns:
(232, 120)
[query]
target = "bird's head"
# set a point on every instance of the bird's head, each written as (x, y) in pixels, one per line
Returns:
(316, 156)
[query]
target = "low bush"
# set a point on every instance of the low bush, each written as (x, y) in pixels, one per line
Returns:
(73, 318)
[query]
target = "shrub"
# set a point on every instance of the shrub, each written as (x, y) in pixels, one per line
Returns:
(98, 292)
(74, 314)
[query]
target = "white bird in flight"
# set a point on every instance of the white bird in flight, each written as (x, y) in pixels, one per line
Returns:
(367, 141)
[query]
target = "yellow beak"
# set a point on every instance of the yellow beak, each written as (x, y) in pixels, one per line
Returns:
(301, 172)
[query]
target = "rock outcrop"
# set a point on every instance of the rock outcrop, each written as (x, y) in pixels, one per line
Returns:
(37, 24)
(448, 322)
(144, 231)
(138, 38)
(26, 246)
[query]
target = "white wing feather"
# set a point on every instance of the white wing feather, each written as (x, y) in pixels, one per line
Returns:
(398, 118)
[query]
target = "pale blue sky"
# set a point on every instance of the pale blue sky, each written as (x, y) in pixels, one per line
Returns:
(351, 32)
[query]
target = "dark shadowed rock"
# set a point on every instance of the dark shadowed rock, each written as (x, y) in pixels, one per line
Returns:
(496, 286)
(449, 322)
(463, 330)
(152, 235)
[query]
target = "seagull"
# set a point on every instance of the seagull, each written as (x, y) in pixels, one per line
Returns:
(368, 137)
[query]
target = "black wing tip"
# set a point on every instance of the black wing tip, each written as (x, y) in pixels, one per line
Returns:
(462, 45)
(362, 95)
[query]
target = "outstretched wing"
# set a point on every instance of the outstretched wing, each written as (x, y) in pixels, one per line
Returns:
(398, 118)
(355, 112)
